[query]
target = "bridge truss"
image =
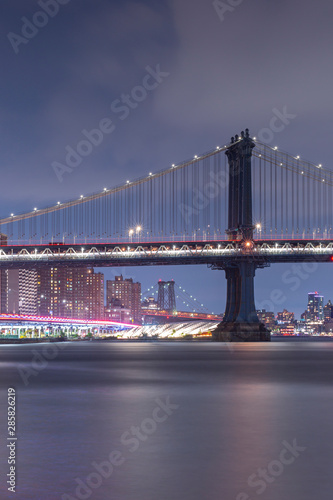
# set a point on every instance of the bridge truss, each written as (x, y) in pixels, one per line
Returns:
(186, 253)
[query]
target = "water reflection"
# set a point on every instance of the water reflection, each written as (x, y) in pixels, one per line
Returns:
(234, 411)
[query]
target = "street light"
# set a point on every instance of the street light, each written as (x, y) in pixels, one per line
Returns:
(138, 231)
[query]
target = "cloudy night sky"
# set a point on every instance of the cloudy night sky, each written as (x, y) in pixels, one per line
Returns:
(223, 72)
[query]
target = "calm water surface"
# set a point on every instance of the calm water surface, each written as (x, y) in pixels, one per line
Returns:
(182, 421)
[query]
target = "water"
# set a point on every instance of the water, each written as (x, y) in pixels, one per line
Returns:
(231, 412)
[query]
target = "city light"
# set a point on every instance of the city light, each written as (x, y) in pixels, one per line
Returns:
(69, 321)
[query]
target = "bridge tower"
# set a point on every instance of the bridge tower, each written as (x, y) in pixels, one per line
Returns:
(166, 299)
(241, 323)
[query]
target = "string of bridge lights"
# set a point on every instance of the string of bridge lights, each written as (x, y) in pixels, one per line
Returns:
(120, 187)
(129, 183)
(275, 148)
(152, 291)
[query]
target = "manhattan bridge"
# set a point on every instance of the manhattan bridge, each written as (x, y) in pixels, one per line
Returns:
(236, 208)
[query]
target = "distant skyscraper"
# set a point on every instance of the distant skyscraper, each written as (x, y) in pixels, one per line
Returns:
(125, 293)
(328, 311)
(315, 307)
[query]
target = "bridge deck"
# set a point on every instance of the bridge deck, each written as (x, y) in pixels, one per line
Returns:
(185, 253)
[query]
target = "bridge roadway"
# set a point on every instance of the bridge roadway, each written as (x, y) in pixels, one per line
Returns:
(213, 253)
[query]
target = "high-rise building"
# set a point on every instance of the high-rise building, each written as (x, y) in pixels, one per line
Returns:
(22, 291)
(3, 290)
(70, 293)
(94, 294)
(13, 296)
(54, 291)
(28, 291)
(328, 311)
(267, 318)
(315, 307)
(3, 280)
(128, 294)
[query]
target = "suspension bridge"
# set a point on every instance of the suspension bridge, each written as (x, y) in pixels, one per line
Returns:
(236, 208)
(160, 304)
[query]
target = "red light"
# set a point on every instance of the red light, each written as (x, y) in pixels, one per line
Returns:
(332, 258)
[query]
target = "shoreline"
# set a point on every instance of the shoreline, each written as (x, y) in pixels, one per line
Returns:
(5, 341)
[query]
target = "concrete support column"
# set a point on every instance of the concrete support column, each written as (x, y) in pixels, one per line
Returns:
(246, 306)
(240, 321)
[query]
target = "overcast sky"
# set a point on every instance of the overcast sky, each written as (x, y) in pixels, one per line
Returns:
(224, 69)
